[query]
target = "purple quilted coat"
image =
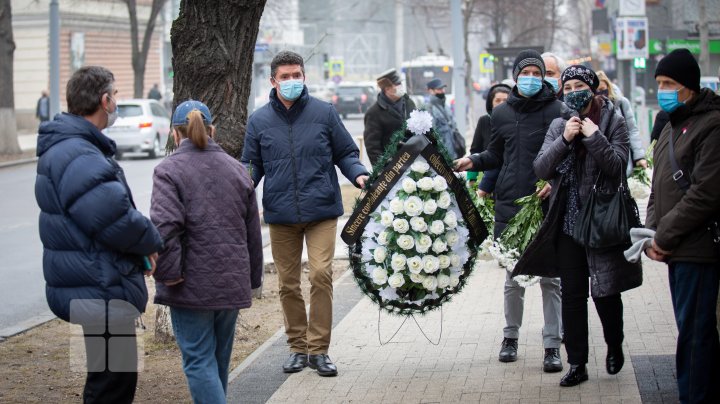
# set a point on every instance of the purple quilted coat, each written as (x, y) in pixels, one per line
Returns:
(204, 205)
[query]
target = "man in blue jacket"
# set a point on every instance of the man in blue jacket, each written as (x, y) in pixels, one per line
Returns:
(96, 245)
(295, 141)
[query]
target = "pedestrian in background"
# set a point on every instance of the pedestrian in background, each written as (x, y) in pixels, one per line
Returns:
(204, 205)
(684, 209)
(637, 152)
(554, 66)
(95, 242)
(294, 142)
(579, 146)
(387, 115)
(154, 93)
(518, 129)
(42, 110)
(443, 121)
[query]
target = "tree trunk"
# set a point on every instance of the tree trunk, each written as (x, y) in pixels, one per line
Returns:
(163, 326)
(139, 55)
(213, 44)
(8, 127)
(467, 17)
(703, 30)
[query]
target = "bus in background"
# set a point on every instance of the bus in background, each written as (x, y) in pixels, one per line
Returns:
(424, 68)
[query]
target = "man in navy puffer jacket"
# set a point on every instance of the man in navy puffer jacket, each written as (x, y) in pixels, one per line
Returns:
(295, 141)
(95, 243)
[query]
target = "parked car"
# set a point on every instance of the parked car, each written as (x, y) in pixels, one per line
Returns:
(142, 126)
(320, 91)
(353, 98)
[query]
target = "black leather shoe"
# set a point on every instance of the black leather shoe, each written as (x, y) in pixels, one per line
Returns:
(508, 350)
(576, 375)
(295, 363)
(614, 360)
(323, 365)
(552, 362)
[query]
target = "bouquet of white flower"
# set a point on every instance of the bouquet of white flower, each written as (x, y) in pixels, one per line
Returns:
(640, 180)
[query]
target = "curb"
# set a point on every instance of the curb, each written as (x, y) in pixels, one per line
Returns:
(26, 325)
(18, 162)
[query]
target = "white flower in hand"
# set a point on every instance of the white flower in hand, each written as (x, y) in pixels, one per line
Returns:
(380, 254)
(430, 207)
(450, 220)
(439, 246)
(415, 264)
(423, 244)
(420, 167)
(430, 264)
(425, 184)
(405, 242)
(398, 262)
(444, 200)
(379, 276)
(386, 218)
(397, 206)
(439, 184)
(430, 283)
(420, 122)
(413, 206)
(418, 223)
(408, 185)
(396, 280)
(437, 227)
(400, 225)
(443, 281)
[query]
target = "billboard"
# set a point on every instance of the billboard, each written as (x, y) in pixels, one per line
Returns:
(632, 37)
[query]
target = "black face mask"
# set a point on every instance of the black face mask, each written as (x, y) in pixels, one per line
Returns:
(603, 92)
(441, 96)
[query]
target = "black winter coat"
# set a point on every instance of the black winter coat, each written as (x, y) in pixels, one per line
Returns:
(607, 151)
(518, 129)
(381, 121)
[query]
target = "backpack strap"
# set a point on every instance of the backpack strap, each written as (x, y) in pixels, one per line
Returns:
(681, 180)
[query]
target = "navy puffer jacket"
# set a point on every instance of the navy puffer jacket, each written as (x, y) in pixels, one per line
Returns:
(296, 150)
(93, 237)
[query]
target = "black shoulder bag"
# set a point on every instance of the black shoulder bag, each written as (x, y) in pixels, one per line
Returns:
(607, 217)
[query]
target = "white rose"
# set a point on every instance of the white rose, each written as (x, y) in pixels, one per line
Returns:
(430, 283)
(418, 223)
(379, 276)
(454, 280)
(425, 183)
(442, 280)
(420, 167)
(408, 185)
(444, 200)
(450, 220)
(430, 207)
(439, 246)
(398, 262)
(417, 278)
(396, 206)
(439, 184)
(455, 260)
(452, 237)
(382, 238)
(413, 206)
(415, 264)
(396, 280)
(380, 254)
(437, 227)
(405, 242)
(423, 244)
(400, 225)
(431, 264)
(444, 261)
(386, 218)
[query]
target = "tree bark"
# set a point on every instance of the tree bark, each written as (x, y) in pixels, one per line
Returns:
(139, 54)
(163, 326)
(213, 44)
(8, 126)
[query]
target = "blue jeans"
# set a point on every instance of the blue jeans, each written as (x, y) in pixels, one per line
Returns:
(205, 338)
(694, 293)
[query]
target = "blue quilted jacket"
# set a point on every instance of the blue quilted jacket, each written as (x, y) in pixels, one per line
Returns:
(93, 237)
(296, 150)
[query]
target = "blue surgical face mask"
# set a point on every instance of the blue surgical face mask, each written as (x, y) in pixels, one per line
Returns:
(291, 89)
(529, 85)
(554, 83)
(668, 100)
(579, 99)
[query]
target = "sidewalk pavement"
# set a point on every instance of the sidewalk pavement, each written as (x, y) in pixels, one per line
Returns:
(463, 366)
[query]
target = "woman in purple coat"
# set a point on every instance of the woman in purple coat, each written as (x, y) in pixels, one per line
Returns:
(204, 205)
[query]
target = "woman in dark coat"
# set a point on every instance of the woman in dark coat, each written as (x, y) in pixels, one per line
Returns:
(483, 133)
(576, 150)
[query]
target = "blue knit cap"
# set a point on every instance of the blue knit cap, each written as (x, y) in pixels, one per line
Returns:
(181, 112)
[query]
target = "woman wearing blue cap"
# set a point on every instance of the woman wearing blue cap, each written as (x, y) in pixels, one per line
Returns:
(204, 205)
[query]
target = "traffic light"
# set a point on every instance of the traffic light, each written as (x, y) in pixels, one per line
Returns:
(639, 63)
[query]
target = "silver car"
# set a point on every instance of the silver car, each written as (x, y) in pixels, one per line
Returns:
(142, 126)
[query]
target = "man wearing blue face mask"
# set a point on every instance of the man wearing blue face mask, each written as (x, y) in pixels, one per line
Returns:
(518, 130)
(294, 142)
(684, 209)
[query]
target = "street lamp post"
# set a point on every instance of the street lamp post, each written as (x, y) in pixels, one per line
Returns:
(54, 58)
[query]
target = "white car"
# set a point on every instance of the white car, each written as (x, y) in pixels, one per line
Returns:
(142, 126)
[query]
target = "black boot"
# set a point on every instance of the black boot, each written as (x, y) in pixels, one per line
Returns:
(508, 350)
(295, 363)
(552, 362)
(576, 375)
(323, 365)
(614, 360)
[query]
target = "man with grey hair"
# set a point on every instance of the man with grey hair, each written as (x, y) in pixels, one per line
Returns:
(554, 66)
(294, 142)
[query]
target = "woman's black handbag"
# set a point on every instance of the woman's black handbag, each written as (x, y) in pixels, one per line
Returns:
(607, 217)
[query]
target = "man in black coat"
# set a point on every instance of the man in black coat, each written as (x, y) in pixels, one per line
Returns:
(518, 131)
(387, 115)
